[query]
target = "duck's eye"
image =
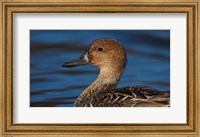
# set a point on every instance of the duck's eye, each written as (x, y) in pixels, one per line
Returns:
(100, 49)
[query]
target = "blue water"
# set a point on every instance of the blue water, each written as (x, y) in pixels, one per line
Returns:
(148, 53)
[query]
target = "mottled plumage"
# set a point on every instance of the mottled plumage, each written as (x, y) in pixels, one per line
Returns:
(110, 56)
(135, 96)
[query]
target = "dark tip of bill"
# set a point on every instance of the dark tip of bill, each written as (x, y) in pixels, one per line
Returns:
(67, 66)
(64, 65)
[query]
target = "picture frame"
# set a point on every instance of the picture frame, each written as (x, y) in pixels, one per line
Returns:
(11, 7)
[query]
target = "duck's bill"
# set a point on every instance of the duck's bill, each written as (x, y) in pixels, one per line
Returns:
(82, 60)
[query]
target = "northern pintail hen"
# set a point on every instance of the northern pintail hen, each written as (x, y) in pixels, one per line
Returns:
(110, 56)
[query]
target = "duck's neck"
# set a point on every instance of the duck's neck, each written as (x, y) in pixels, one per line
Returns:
(107, 80)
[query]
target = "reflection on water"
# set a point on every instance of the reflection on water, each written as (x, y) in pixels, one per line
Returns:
(148, 53)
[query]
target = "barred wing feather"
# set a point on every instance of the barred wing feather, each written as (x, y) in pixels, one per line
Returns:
(135, 96)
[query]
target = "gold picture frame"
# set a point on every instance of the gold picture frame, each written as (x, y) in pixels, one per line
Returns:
(10, 7)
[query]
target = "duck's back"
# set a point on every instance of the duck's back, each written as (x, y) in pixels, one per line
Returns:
(135, 96)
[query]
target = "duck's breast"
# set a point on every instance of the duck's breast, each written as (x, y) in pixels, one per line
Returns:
(135, 96)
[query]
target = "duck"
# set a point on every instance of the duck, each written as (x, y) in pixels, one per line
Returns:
(109, 56)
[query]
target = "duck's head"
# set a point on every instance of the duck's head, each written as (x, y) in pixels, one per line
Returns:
(107, 54)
